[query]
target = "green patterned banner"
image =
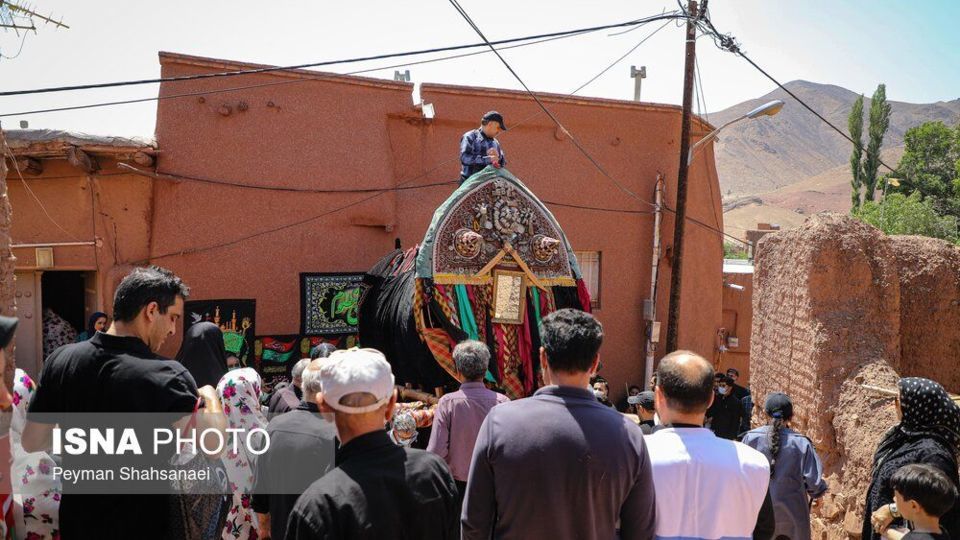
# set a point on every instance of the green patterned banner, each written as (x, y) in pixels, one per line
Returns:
(329, 303)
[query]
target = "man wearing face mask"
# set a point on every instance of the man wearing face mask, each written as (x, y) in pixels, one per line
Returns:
(726, 414)
(601, 389)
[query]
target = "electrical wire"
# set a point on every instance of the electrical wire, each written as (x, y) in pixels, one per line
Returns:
(729, 43)
(702, 93)
(320, 76)
(16, 166)
(597, 208)
(618, 60)
(235, 73)
(704, 225)
(320, 216)
(20, 50)
(540, 103)
(266, 187)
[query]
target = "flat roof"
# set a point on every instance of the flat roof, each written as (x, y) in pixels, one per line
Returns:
(231, 65)
(54, 142)
(737, 266)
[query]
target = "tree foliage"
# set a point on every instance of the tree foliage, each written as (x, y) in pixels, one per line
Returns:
(864, 165)
(930, 166)
(855, 126)
(733, 250)
(908, 214)
(879, 122)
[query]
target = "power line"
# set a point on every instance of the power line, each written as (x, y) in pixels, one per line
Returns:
(320, 76)
(597, 208)
(254, 71)
(536, 98)
(373, 196)
(729, 43)
(704, 225)
(265, 187)
(618, 60)
(16, 166)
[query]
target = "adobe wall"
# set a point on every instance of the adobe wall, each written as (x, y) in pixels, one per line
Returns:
(113, 206)
(930, 315)
(737, 321)
(826, 319)
(341, 133)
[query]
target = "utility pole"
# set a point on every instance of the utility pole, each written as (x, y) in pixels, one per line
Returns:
(638, 76)
(676, 263)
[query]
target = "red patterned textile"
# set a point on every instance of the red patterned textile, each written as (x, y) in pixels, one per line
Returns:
(441, 345)
(527, 356)
(584, 295)
(508, 358)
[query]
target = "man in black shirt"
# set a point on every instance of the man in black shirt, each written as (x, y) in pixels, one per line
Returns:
(726, 413)
(119, 372)
(378, 490)
(302, 444)
(738, 391)
(646, 409)
(286, 397)
(742, 394)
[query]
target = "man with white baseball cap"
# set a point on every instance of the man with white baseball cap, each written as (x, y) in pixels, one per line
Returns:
(378, 489)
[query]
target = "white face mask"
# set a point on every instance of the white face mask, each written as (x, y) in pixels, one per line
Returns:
(401, 442)
(723, 391)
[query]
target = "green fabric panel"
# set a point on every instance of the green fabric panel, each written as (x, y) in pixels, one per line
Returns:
(536, 305)
(467, 320)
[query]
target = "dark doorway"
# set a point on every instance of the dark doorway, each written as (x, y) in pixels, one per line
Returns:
(63, 292)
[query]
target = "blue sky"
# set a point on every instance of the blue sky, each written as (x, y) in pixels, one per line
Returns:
(913, 47)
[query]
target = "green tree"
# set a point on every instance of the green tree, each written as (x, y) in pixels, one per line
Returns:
(855, 126)
(930, 166)
(879, 122)
(735, 251)
(902, 214)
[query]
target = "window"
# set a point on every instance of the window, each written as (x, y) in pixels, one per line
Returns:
(590, 268)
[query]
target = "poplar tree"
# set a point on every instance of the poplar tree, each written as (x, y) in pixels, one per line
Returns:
(879, 122)
(855, 126)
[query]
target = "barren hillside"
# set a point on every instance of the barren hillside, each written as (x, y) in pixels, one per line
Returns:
(783, 168)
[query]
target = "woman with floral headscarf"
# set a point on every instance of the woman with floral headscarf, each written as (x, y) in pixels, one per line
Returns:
(239, 392)
(928, 432)
(37, 500)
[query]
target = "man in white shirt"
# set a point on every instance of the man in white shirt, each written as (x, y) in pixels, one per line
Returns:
(707, 487)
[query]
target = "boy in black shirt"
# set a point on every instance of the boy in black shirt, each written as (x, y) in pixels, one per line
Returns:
(921, 494)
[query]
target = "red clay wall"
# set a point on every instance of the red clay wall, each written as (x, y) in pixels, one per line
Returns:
(737, 320)
(337, 134)
(315, 132)
(113, 206)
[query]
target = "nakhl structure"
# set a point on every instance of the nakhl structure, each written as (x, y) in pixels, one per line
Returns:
(493, 263)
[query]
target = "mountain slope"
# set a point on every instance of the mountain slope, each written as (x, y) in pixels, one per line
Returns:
(763, 155)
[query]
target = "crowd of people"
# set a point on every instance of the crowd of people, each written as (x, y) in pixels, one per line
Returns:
(677, 461)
